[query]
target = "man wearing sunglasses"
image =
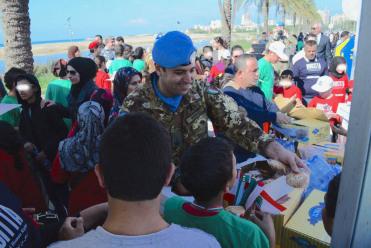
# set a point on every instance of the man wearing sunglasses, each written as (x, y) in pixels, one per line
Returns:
(323, 43)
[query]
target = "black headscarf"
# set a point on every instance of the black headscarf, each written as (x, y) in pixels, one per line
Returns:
(334, 63)
(81, 91)
(11, 142)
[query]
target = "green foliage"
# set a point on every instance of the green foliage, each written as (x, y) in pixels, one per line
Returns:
(44, 75)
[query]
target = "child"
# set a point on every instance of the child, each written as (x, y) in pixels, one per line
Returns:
(102, 79)
(338, 74)
(208, 170)
(328, 213)
(288, 88)
(327, 102)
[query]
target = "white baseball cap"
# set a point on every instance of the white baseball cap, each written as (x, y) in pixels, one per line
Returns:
(225, 54)
(279, 48)
(323, 84)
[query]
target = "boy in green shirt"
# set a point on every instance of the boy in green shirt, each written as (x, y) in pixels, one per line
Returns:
(208, 170)
(122, 54)
(13, 116)
(266, 71)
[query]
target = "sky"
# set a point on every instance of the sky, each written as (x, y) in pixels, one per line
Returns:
(124, 17)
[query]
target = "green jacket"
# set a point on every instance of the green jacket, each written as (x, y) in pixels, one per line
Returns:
(188, 124)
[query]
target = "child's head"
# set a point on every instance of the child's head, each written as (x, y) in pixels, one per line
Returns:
(135, 158)
(208, 169)
(286, 79)
(207, 51)
(324, 86)
(328, 213)
(101, 62)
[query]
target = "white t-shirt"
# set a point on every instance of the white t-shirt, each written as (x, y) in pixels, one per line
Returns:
(173, 236)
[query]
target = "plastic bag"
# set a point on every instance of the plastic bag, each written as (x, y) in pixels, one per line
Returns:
(321, 174)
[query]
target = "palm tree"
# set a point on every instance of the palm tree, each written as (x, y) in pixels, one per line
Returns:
(226, 16)
(17, 41)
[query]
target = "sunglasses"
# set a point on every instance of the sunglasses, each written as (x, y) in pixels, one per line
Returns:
(72, 72)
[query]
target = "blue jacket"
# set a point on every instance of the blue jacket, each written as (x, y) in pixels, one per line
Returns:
(252, 99)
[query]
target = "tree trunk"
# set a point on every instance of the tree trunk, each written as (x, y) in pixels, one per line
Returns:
(226, 17)
(266, 15)
(17, 41)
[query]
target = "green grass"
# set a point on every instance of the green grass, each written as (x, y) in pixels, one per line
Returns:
(246, 45)
(44, 75)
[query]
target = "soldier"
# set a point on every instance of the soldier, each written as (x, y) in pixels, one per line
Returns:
(184, 105)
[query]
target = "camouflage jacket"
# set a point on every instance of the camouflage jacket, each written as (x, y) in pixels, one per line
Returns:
(188, 124)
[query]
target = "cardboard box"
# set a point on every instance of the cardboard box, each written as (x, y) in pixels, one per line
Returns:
(308, 113)
(308, 131)
(291, 205)
(300, 232)
(333, 152)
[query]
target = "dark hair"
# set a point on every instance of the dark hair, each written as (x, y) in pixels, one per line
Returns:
(207, 48)
(344, 33)
(206, 167)
(287, 74)
(62, 65)
(32, 80)
(138, 53)
(135, 157)
(120, 38)
(127, 51)
(310, 43)
(11, 143)
(119, 50)
(101, 59)
(11, 75)
(237, 47)
(221, 41)
(99, 36)
(332, 196)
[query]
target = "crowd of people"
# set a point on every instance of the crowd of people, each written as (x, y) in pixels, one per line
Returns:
(84, 163)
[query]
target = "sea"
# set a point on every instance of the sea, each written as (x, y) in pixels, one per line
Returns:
(47, 59)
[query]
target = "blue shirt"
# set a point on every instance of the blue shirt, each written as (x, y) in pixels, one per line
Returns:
(252, 99)
(172, 102)
(306, 74)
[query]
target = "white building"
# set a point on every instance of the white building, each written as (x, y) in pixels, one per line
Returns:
(246, 22)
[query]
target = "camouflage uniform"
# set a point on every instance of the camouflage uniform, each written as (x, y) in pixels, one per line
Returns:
(188, 124)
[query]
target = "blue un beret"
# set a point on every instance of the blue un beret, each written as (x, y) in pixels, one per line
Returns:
(173, 49)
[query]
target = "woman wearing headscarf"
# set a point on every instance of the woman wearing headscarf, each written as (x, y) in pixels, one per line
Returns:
(81, 72)
(127, 79)
(41, 125)
(338, 68)
(78, 154)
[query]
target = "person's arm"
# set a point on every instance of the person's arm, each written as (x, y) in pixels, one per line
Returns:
(94, 216)
(258, 115)
(225, 116)
(265, 222)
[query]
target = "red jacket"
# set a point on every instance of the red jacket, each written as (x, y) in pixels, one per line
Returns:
(340, 86)
(21, 182)
(102, 80)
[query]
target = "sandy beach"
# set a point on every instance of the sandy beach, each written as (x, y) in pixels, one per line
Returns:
(137, 40)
